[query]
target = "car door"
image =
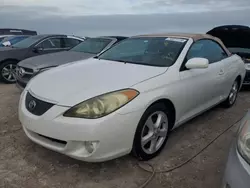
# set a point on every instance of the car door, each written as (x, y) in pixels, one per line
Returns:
(202, 87)
(218, 56)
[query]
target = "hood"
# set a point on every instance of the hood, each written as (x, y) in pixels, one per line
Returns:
(233, 36)
(53, 59)
(70, 84)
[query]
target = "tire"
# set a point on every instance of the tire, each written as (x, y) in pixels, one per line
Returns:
(145, 150)
(229, 102)
(7, 72)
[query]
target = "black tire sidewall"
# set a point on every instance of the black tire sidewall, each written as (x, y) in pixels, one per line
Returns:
(2, 65)
(137, 150)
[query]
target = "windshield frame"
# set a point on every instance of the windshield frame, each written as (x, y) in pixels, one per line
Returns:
(111, 42)
(144, 64)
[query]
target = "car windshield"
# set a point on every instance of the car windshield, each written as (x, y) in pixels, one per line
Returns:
(92, 45)
(26, 43)
(153, 51)
(14, 39)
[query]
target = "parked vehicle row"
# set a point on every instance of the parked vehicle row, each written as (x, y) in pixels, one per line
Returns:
(15, 32)
(100, 98)
(89, 48)
(29, 47)
(129, 97)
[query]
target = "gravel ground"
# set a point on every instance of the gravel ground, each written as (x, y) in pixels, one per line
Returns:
(25, 164)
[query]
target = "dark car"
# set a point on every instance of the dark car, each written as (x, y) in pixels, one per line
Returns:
(237, 39)
(7, 32)
(29, 47)
(11, 40)
(30, 67)
(12, 31)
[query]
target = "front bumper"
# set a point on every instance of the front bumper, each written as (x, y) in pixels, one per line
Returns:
(111, 136)
(247, 78)
(21, 83)
(237, 173)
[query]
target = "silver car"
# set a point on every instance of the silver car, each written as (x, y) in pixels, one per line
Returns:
(30, 67)
(237, 173)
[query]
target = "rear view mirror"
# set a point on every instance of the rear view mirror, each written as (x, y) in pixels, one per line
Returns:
(197, 63)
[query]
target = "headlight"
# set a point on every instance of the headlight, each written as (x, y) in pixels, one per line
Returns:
(42, 70)
(244, 141)
(247, 66)
(45, 69)
(102, 105)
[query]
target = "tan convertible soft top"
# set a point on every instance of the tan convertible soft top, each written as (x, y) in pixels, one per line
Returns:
(194, 36)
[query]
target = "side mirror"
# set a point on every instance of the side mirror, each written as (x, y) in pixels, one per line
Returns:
(197, 63)
(37, 49)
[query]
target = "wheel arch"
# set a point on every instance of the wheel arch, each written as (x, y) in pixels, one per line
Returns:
(170, 105)
(9, 59)
(239, 80)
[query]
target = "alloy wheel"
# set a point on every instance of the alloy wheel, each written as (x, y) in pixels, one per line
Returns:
(154, 132)
(8, 72)
(233, 93)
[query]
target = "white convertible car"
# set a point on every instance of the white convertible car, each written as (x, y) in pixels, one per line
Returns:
(129, 98)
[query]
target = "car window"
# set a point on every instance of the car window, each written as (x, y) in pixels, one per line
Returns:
(92, 45)
(71, 42)
(15, 40)
(208, 49)
(51, 43)
(152, 51)
(28, 42)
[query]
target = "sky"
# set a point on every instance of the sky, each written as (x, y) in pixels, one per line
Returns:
(122, 17)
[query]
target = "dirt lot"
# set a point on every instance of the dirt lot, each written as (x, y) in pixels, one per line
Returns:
(24, 164)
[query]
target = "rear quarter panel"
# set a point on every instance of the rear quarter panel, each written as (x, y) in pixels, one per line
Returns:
(234, 67)
(237, 67)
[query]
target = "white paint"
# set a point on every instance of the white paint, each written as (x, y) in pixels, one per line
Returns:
(197, 63)
(191, 91)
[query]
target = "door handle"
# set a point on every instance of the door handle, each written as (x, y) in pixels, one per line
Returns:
(221, 72)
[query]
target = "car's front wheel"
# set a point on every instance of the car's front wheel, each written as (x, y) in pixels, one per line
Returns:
(8, 71)
(152, 132)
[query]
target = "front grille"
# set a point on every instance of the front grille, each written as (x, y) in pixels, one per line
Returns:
(54, 140)
(28, 70)
(24, 73)
(36, 106)
(27, 76)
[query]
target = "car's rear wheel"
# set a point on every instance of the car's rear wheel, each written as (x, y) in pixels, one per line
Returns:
(232, 95)
(152, 132)
(8, 71)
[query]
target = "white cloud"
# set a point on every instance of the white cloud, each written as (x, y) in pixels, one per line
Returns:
(109, 7)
